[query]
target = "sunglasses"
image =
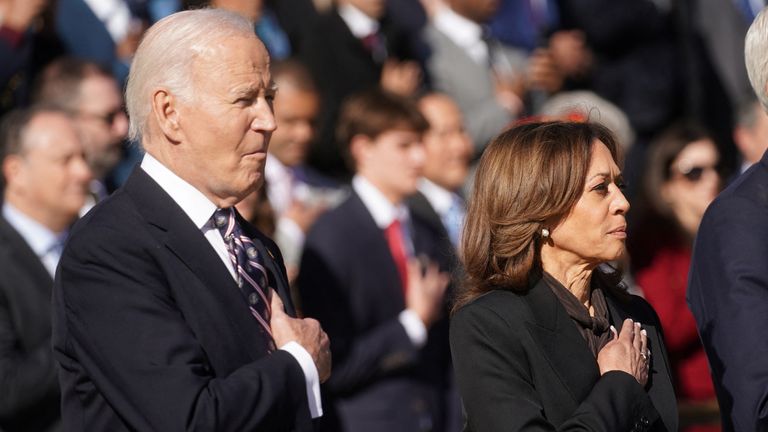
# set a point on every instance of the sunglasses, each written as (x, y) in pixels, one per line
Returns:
(694, 173)
(108, 118)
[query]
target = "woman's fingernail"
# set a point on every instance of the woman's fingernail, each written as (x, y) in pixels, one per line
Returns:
(643, 332)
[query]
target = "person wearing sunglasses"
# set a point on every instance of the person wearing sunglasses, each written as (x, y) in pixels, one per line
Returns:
(681, 181)
(91, 95)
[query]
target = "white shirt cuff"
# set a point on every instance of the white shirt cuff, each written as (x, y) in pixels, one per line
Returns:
(416, 330)
(310, 376)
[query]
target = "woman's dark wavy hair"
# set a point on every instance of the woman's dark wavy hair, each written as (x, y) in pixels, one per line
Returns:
(528, 176)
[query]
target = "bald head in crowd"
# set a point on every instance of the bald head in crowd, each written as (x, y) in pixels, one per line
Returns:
(44, 172)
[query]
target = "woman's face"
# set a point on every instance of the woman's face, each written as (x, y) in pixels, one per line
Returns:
(596, 228)
(693, 183)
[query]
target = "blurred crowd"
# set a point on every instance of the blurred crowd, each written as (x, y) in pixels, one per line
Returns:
(666, 76)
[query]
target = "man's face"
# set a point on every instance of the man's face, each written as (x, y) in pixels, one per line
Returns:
(226, 126)
(102, 123)
(479, 11)
(295, 113)
(393, 162)
(448, 147)
(50, 175)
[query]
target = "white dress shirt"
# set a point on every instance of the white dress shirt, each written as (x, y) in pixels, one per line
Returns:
(46, 244)
(360, 24)
(465, 33)
(115, 15)
(282, 188)
(384, 213)
(200, 209)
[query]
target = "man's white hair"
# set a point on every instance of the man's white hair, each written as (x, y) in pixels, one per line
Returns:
(166, 55)
(756, 56)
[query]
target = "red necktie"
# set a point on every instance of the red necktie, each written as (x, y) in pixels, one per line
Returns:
(394, 235)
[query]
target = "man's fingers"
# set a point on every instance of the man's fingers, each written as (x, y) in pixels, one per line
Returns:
(277, 305)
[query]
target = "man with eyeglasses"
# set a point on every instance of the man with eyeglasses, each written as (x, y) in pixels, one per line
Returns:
(91, 95)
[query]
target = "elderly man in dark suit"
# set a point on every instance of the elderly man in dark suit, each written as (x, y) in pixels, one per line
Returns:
(170, 311)
(361, 278)
(45, 185)
(728, 281)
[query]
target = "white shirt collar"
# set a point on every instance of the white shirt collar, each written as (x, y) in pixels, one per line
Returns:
(39, 238)
(440, 198)
(383, 211)
(463, 32)
(360, 24)
(194, 203)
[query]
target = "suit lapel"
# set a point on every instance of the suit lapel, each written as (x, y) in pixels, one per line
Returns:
(20, 252)
(659, 384)
(560, 341)
(174, 228)
(422, 208)
(370, 238)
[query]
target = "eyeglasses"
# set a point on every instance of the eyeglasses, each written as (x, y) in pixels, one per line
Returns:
(108, 118)
(694, 173)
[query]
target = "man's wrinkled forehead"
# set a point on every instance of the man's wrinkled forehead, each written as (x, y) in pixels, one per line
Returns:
(238, 59)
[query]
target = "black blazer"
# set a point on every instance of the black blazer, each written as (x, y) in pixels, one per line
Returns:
(153, 334)
(342, 66)
(522, 364)
(348, 281)
(728, 295)
(28, 379)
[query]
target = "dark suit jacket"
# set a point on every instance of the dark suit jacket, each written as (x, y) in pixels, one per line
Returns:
(522, 364)
(728, 295)
(348, 281)
(420, 206)
(152, 333)
(341, 66)
(28, 379)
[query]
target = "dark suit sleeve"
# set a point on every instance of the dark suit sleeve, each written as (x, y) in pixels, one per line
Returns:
(117, 320)
(496, 382)
(26, 377)
(325, 283)
(728, 295)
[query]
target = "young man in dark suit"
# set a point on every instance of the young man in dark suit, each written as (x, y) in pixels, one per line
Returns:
(170, 311)
(368, 274)
(45, 183)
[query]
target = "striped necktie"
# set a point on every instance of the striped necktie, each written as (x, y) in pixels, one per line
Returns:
(249, 268)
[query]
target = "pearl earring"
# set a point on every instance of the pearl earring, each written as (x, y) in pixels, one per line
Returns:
(544, 233)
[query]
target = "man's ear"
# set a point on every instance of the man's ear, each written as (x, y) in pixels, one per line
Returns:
(166, 113)
(358, 149)
(11, 169)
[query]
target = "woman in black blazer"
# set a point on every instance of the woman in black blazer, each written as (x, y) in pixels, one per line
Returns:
(543, 336)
